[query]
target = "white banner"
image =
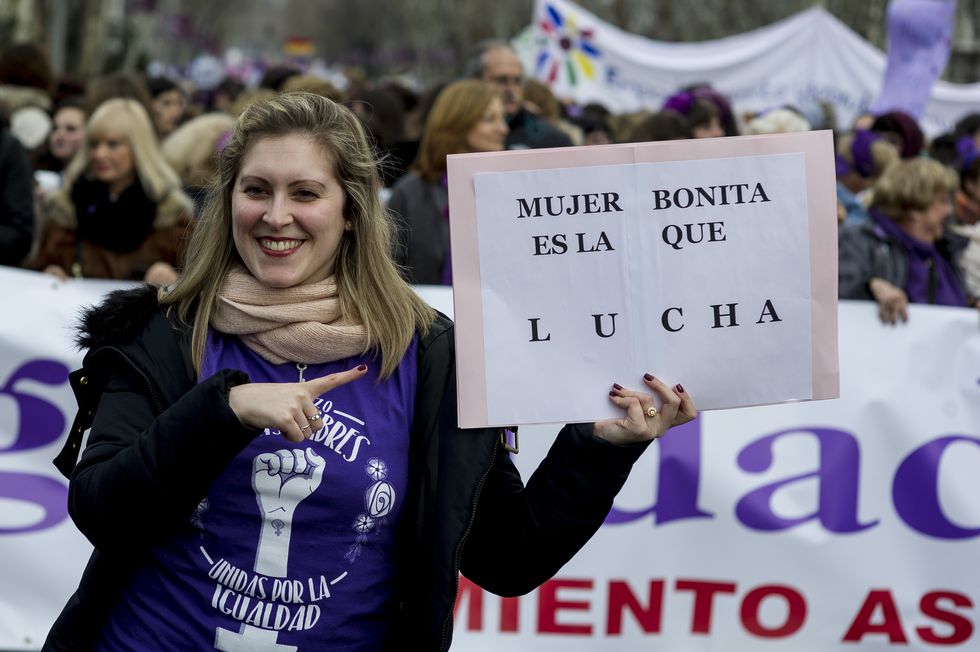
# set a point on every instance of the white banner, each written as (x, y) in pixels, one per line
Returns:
(793, 527)
(805, 58)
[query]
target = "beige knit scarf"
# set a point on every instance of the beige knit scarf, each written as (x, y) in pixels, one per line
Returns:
(298, 324)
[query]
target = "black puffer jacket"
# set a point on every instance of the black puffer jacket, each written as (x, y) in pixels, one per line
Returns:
(467, 508)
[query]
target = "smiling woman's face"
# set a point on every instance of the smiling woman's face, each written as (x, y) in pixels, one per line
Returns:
(67, 133)
(287, 211)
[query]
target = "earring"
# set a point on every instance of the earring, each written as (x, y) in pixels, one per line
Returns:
(348, 226)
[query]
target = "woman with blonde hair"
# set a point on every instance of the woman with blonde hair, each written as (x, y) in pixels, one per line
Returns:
(121, 213)
(193, 149)
(468, 116)
(274, 460)
(904, 254)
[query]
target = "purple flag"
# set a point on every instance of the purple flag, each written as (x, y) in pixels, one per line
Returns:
(919, 38)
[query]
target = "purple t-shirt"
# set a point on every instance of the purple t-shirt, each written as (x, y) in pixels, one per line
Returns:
(292, 548)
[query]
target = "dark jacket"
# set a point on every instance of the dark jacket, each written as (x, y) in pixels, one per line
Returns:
(466, 508)
(16, 201)
(866, 251)
(422, 233)
(60, 242)
(529, 131)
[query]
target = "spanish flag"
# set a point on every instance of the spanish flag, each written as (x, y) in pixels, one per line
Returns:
(298, 46)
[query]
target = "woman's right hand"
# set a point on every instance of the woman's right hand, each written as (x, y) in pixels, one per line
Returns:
(893, 303)
(57, 271)
(287, 407)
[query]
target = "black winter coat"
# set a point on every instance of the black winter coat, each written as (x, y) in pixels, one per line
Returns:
(467, 508)
(16, 201)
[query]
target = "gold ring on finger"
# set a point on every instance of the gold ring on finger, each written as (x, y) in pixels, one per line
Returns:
(314, 416)
(651, 411)
(306, 427)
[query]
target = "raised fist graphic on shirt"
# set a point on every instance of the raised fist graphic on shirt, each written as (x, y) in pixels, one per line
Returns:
(281, 481)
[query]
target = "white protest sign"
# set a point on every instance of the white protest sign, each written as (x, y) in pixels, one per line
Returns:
(693, 262)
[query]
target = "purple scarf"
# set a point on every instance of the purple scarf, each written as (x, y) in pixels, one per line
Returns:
(946, 287)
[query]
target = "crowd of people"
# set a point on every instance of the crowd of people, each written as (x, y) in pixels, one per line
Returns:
(102, 180)
(102, 189)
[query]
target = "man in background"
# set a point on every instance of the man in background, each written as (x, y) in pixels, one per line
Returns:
(498, 64)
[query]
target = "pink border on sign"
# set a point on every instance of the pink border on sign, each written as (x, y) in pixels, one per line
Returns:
(817, 148)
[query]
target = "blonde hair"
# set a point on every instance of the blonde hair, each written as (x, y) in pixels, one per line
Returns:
(370, 287)
(457, 109)
(192, 147)
(129, 119)
(911, 184)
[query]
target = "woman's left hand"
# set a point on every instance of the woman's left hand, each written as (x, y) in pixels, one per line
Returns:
(643, 420)
(160, 274)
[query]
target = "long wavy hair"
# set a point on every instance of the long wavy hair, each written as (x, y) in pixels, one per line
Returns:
(370, 287)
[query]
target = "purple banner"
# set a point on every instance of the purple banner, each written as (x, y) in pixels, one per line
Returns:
(919, 39)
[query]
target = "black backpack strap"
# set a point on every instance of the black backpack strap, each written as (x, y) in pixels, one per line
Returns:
(87, 387)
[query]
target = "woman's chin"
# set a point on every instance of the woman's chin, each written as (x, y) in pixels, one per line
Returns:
(277, 281)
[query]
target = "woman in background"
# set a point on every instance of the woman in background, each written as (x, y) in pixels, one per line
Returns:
(904, 254)
(64, 141)
(68, 131)
(121, 213)
(468, 116)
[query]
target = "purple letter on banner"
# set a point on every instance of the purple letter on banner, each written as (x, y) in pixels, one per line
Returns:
(678, 479)
(919, 39)
(39, 423)
(916, 491)
(838, 477)
(47, 493)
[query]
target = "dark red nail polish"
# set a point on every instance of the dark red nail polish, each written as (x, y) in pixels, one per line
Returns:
(612, 393)
(679, 388)
(648, 377)
(617, 386)
(362, 367)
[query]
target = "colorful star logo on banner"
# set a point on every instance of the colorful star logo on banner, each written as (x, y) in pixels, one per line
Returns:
(566, 47)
